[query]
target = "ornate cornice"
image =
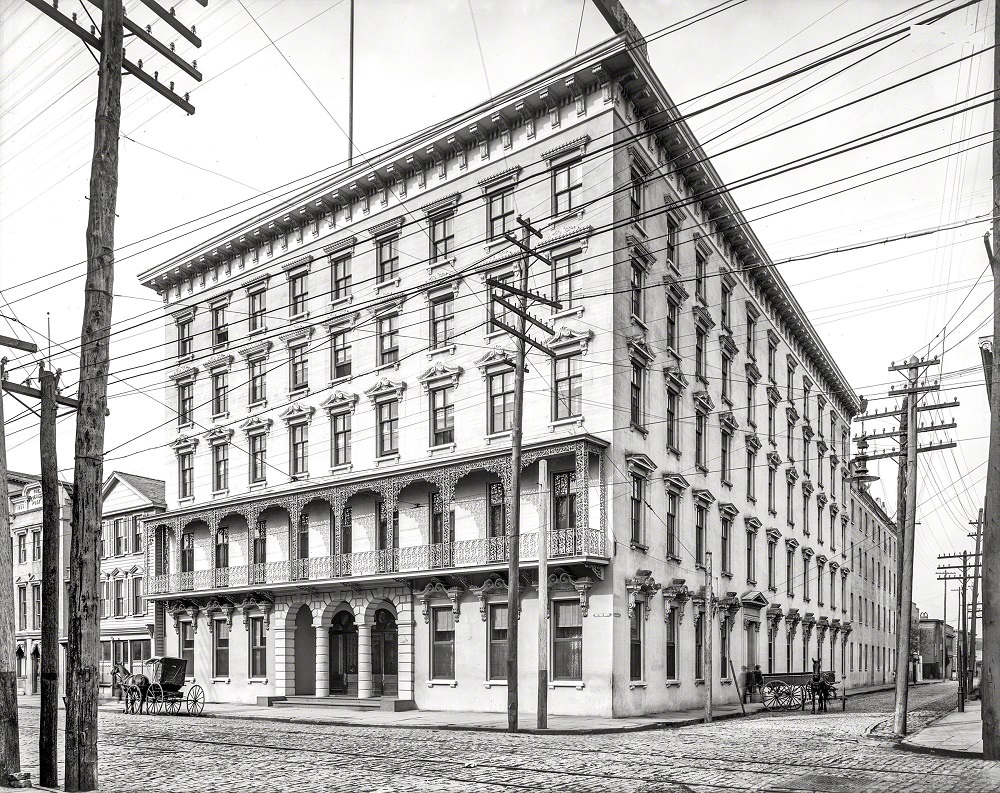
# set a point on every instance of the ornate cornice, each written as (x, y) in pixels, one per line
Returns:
(295, 333)
(384, 389)
(438, 590)
(639, 349)
(752, 442)
(258, 349)
(297, 412)
(440, 373)
(640, 588)
(441, 205)
(728, 422)
(753, 524)
(675, 288)
(703, 400)
(580, 144)
(218, 361)
(639, 463)
(256, 426)
(675, 378)
(493, 358)
(184, 443)
(508, 176)
(218, 435)
(565, 338)
(386, 227)
(340, 402)
(675, 483)
(340, 246)
(183, 373)
(728, 509)
(562, 581)
(704, 496)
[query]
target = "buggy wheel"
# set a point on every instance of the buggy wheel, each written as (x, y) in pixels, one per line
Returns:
(195, 701)
(771, 694)
(133, 699)
(154, 699)
(172, 706)
(796, 697)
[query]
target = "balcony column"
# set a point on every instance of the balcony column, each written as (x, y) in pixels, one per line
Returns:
(322, 661)
(582, 486)
(364, 661)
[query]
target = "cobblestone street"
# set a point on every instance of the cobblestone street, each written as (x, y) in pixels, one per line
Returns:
(798, 752)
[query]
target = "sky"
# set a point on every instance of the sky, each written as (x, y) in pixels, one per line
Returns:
(271, 113)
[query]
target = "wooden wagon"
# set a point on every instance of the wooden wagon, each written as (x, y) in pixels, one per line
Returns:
(791, 690)
(162, 690)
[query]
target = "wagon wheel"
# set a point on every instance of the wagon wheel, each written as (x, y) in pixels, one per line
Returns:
(195, 701)
(172, 705)
(133, 699)
(771, 695)
(796, 696)
(154, 699)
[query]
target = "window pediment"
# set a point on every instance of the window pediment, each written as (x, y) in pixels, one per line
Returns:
(728, 510)
(297, 333)
(675, 289)
(387, 307)
(792, 474)
(440, 374)
(298, 266)
(639, 252)
(639, 350)
(675, 483)
(566, 240)
(258, 350)
(807, 552)
(184, 443)
(185, 315)
(218, 435)
(438, 590)
(773, 459)
(257, 283)
(753, 373)
(561, 581)
(183, 374)
(792, 414)
(753, 443)
(754, 600)
(577, 146)
(676, 380)
(791, 542)
(565, 339)
(728, 422)
(702, 318)
(773, 533)
(807, 488)
(219, 362)
(640, 587)
(499, 181)
(640, 465)
(256, 426)
(441, 206)
(773, 395)
(340, 402)
(704, 496)
(792, 363)
(387, 227)
(385, 389)
(343, 246)
(495, 358)
(703, 402)
(297, 413)
(753, 524)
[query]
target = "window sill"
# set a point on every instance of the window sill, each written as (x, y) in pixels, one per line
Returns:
(340, 380)
(450, 261)
(672, 557)
(568, 215)
(633, 684)
(298, 393)
(673, 451)
(220, 493)
(727, 483)
(496, 436)
(257, 331)
(186, 500)
(772, 512)
(258, 485)
(703, 469)
(387, 459)
(261, 680)
(444, 447)
(300, 317)
(342, 468)
(773, 589)
(449, 683)
(220, 347)
(299, 477)
(185, 358)
(572, 420)
(726, 574)
(576, 311)
(187, 425)
(445, 349)
(751, 499)
(726, 681)
(223, 415)
(673, 684)
(577, 684)
(638, 321)
(387, 366)
(727, 401)
(751, 582)
(644, 431)
(491, 683)
(341, 302)
(638, 546)
(699, 566)
(702, 379)
(699, 681)
(256, 405)
(225, 680)
(392, 282)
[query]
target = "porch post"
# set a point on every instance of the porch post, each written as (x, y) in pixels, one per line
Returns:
(322, 661)
(364, 661)
(284, 661)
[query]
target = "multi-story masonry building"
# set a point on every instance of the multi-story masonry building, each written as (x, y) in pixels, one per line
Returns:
(871, 649)
(341, 405)
(126, 631)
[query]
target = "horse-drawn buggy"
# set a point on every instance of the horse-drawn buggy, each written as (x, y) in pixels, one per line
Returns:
(162, 690)
(791, 690)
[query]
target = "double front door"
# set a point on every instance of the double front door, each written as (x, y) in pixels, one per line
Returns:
(344, 655)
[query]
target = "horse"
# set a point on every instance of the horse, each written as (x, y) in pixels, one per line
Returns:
(820, 687)
(123, 679)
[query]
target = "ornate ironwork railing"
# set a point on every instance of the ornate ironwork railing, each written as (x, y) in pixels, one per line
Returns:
(562, 543)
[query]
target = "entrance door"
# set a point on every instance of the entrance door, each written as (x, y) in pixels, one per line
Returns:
(305, 653)
(344, 655)
(36, 672)
(385, 679)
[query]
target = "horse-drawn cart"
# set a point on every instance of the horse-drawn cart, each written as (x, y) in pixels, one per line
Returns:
(162, 691)
(791, 690)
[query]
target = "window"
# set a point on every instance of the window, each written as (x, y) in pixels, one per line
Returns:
(772, 552)
(568, 387)
(805, 402)
(673, 241)
(700, 522)
(805, 578)
(302, 537)
(220, 330)
(726, 306)
(670, 524)
(442, 643)
(299, 452)
(256, 310)
(501, 391)
(222, 548)
(670, 654)
(387, 258)
(104, 540)
(187, 646)
(790, 503)
(833, 589)
(700, 274)
(700, 421)
(187, 553)
(340, 355)
(751, 558)
(789, 571)
(119, 524)
(497, 312)
(138, 601)
(341, 278)
(442, 322)
(636, 290)
(670, 419)
(220, 467)
(751, 332)
(770, 649)
(136, 534)
(751, 483)
(724, 649)
(567, 272)
(258, 648)
(442, 233)
(567, 187)
(36, 546)
(220, 393)
(790, 426)
(258, 390)
(501, 213)
(185, 342)
(772, 413)
(185, 403)
(699, 352)
(185, 464)
(791, 383)
(805, 513)
(22, 608)
(636, 416)
(387, 331)
(635, 194)
(727, 532)
(298, 368)
(258, 458)
(789, 652)
(671, 320)
(119, 597)
(564, 500)
(387, 414)
(727, 378)
(340, 428)
(805, 454)
(36, 606)
(496, 660)
(497, 514)
(772, 502)
(221, 648)
(725, 457)
(637, 503)
(567, 640)
(635, 643)
(442, 416)
(22, 548)
(298, 294)
(772, 361)
(699, 646)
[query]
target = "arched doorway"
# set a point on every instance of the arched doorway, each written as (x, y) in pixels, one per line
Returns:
(344, 654)
(36, 671)
(305, 653)
(385, 679)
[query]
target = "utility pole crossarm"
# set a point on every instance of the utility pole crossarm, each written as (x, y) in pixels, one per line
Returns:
(930, 447)
(171, 19)
(890, 413)
(17, 344)
(23, 390)
(152, 41)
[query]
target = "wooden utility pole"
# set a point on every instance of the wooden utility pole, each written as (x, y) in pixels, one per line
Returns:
(947, 574)
(10, 746)
(520, 333)
(709, 618)
(975, 597)
(48, 757)
(963, 689)
(82, 649)
(901, 496)
(545, 502)
(989, 682)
